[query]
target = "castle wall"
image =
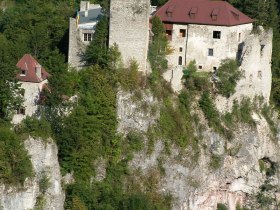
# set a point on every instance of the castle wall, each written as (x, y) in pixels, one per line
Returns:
(129, 29)
(199, 38)
(76, 46)
(255, 68)
(31, 97)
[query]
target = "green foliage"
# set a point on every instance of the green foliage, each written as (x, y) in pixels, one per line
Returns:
(215, 162)
(158, 46)
(239, 207)
(228, 74)
(222, 206)
(35, 127)
(135, 140)
(175, 122)
(15, 165)
(129, 78)
(97, 51)
(194, 80)
(208, 107)
(44, 183)
(267, 113)
(264, 200)
(243, 112)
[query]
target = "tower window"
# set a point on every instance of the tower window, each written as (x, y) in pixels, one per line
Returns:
(87, 37)
(200, 67)
(180, 60)
(22, 73)
(216, 34)
(182, 32)
(210, 52)
(181, 49)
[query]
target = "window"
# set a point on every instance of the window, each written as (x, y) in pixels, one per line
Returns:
(180, 61)
(181, 49)
(214, 68)
(239, 37)
(21, 111)
(169, 34)
(200, 67)
(216, 34)
(210, 52)
(23, 73)
(87, 37)
(260, 74)
(182, 32)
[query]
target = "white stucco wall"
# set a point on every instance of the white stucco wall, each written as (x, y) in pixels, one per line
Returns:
(199, 38)
(256, 68)
(129, 29)
(175, 44)
(31, 97)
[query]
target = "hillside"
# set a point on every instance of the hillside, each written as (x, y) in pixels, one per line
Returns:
(110, 137)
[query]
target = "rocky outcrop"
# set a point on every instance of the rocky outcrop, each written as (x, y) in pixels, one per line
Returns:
(43, 156)
(198, 185)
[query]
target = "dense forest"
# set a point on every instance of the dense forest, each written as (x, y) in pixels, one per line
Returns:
(89, 133)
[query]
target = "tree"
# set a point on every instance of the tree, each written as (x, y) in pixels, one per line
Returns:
(228, 74)
(97, 51)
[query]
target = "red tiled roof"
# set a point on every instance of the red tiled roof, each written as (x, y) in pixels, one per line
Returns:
(28, 64)
(203, 12)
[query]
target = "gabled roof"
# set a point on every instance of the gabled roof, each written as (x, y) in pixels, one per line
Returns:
(204, 12)
(28, 64)
(93, 15)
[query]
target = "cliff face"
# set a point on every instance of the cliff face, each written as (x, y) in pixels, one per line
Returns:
(44, 191)
(229, 172)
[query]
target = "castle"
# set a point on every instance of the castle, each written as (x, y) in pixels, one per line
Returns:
(33, 78)
(202, 30)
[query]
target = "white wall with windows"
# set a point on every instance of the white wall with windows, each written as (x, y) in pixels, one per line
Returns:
(31, 96)
(206, 44)
(209, 45)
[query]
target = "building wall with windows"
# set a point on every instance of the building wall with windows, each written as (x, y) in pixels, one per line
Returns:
(31, 96)
(81, 30)
(206, 44)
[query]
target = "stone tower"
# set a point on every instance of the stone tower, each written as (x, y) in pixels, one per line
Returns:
(129, 29)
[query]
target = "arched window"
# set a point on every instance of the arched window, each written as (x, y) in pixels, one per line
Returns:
(180, 61)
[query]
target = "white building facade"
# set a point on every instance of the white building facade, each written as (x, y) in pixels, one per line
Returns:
(81, 30)
(33, 79)
(203, 30)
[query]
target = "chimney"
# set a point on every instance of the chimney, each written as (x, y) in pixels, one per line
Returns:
(87, 7)
(38, 70)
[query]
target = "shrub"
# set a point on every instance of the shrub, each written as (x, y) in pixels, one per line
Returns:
(135, 140)
(228, 74)
(15, 165)
(215, 162)
(222, 206)
(35, 127)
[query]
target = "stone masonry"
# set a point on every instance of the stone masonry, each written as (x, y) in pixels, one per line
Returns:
(129, 29)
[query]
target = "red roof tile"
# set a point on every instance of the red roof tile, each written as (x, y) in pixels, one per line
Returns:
(28, 64)
(203, 12)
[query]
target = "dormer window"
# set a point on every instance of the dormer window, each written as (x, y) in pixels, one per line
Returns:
(193, 12)
(214, 14)
(235, 15)
(23, 73)
(170, 11)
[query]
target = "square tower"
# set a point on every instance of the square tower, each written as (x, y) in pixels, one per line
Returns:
(129, 29)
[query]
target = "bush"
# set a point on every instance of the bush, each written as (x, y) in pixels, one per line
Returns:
(222, 206)
(215, 162)
(135, 140)
(15, 165)
(228, 74)
(35, 127)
